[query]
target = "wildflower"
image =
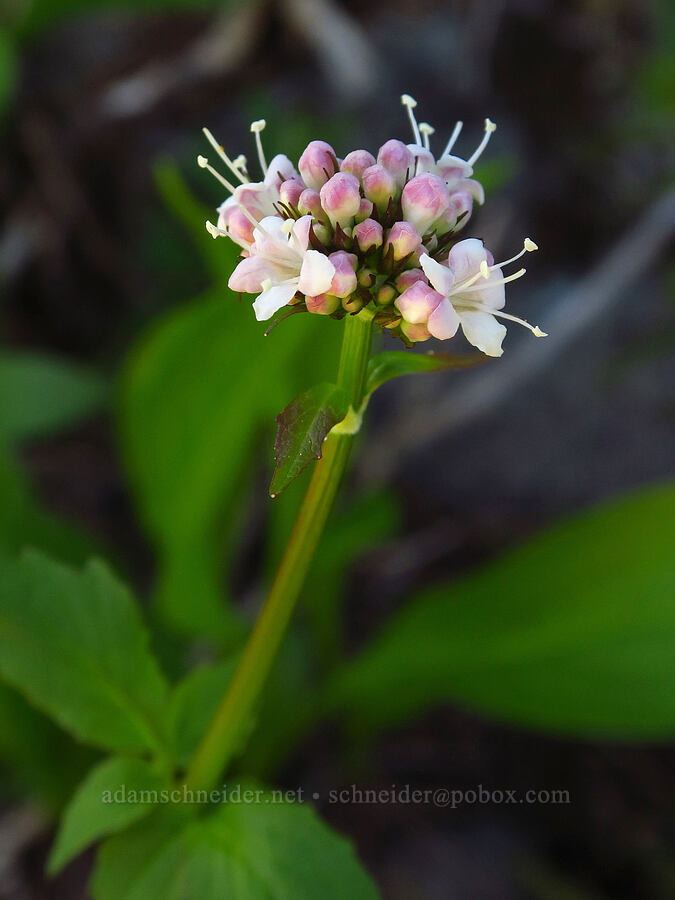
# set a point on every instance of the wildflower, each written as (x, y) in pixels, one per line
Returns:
(470, 292)
(368, 231)
(281, 265)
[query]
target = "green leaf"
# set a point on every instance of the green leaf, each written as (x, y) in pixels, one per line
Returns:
(114, 795)
(572, 632)
(39, 395)
(73, 643)
(197, 394)
(393, 363)
(255, 850)
(193, 705)
(303, 427)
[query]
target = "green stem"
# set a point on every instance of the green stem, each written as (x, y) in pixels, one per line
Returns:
(227, 730)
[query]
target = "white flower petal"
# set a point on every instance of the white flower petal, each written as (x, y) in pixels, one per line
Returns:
(465, 258)
(444, 321)
(316, 273)
(273, 299)
(440, 277)
(280, 165)
(250, 274)
(483, 331)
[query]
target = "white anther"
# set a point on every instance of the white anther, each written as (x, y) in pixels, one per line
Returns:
(529, 245)
(410, 103)
(426, 130)
(490, 128)
(256, 128)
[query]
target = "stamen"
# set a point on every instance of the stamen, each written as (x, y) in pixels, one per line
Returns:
(528, 247)
(203, 163)
(240, 163)
(411, 103)
(453, 138)
(535, 329)
(490, 127)
(480, 287)
(427, 130)
(256, 128)
(214, 231)
(223, 155)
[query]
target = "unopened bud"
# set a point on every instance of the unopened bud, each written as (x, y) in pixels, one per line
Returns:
(366, 278)
(368, 235)
(357, 162)
(344, 279)
(424, 199)
(415, 333)
(379, 186)
(398, 160)
(409, 277)
(309, 203)
(290, 191)
(386, 294)
(317, 164)
(341, 198)
(403, 238)
(417, 303)
(352, 304)
(322, 304)
(365, 210)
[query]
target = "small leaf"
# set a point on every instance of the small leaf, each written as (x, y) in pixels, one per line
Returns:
(572, 632)
(393, 363)
(252, 848)
(113, 796)
(193, 705)
(39, 395)
(303, 427)
(73, 643)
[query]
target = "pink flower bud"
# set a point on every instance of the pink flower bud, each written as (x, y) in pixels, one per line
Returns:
(417, 303)
(424, 199)
(309, 203)
(322, 304)
(403, 237)
(462, 205)
(341, 198)
(344, 280)
(368, 235)
(408, 278)
(357, 162)
(397, 159)
(317, 164)
(238, 226)
(290, 191)
(415, 333)
(379, 186)
(365, 210)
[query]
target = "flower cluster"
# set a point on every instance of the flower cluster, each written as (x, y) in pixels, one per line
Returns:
(337, 235)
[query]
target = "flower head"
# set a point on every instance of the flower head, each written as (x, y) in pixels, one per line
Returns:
(337, 235)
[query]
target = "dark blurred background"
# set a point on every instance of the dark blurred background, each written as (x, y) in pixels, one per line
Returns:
(96, 96)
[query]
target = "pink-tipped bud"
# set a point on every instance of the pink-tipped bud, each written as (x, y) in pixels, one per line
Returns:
(368, 235)
(357, 162)
(385, 295)
(238, 225)
(309, 203)
(417, 303)
(415, 333)
(344, 280)
(290, 191)
(404, 239)
(341, 198)
(365, 210)
(322, 304)
(397, 159)
(424, 199)
(444, 223)
(379, 186)
(317, 164)
(408, 278)
(462, 205)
